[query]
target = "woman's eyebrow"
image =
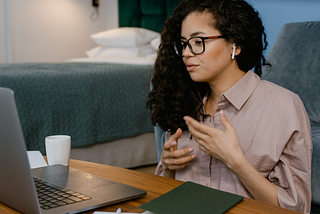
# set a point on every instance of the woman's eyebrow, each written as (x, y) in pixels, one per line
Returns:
(197, 33)
(194, 34)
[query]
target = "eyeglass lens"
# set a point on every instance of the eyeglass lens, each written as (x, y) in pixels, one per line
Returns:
(196, 46)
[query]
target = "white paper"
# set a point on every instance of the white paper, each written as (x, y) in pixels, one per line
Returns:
(99, 212)
(36, 159)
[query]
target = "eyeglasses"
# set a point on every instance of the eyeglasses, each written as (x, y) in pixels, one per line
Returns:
(195, 44)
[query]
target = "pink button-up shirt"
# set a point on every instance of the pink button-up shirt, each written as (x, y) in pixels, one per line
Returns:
(274, 134)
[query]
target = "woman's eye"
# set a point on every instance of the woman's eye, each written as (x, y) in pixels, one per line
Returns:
(183, 44)
(198, 42)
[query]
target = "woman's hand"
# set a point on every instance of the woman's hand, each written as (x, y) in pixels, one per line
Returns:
(223, 145)
(172, 158)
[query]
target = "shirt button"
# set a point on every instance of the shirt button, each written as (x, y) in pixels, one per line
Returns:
(206, 183)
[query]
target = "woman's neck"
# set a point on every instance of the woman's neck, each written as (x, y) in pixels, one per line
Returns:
(220, 87)
(224, 83)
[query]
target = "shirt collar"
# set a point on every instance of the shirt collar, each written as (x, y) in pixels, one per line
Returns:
(239, 93)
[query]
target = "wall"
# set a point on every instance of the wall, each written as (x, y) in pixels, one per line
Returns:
(3, 32)
(276, 13)
(53, 30)
(57, 30)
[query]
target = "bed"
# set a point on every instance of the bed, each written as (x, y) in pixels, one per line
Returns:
(99, 101)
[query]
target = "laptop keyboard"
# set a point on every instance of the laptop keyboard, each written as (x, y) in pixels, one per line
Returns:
(52, 196)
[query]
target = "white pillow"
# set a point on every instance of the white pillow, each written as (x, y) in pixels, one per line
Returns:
(155, 42)
(103, 52)
(125, 36)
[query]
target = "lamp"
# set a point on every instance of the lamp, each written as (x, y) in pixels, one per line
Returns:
(95, 14)
(95, 3)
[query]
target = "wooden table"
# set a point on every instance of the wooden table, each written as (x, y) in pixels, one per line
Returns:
(155, 186)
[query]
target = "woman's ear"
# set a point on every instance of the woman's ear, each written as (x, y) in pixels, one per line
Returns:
(235, 50)
(234, 46)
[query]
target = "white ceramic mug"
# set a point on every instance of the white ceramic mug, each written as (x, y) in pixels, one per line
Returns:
(58, 149)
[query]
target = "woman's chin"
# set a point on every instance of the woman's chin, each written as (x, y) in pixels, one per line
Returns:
(196, 77)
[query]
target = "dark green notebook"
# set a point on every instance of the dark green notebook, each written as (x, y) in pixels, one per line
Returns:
(192, 198)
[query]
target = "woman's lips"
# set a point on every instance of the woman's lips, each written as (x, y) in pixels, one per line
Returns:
(191, 67)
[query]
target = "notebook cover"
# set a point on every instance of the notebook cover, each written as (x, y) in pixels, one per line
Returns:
(192, 198)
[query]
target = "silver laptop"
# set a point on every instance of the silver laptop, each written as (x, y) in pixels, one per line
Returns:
(19, 184)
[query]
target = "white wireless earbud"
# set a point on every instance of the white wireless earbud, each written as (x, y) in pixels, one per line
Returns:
(234, 50)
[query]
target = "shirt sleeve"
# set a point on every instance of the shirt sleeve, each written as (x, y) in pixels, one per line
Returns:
(292, 173)
(159, 170)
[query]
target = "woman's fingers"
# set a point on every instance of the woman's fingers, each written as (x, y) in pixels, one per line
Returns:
(225, 122)
(178, 153)
(200, 132)
(180, 162)
(175, 159)
(173, 141)
(223, 145)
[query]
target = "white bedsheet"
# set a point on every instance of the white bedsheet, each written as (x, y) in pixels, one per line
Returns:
(147, 60)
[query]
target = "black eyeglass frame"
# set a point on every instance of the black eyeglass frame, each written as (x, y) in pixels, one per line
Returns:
(185, 44)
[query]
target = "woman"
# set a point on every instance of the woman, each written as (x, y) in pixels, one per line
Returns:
(226, 128)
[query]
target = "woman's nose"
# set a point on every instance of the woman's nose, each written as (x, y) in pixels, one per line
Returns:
(187, 51)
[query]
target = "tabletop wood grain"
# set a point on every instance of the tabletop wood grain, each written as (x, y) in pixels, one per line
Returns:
(155, 186)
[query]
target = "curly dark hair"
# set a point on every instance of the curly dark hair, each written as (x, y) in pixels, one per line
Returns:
(174, 94)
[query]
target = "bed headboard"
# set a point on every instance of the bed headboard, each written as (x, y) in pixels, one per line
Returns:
(149, 14)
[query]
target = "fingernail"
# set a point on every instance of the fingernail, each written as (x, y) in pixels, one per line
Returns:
(222, 113)
(174, 143)
(194, 156)
(191, 149)
(185, 119)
